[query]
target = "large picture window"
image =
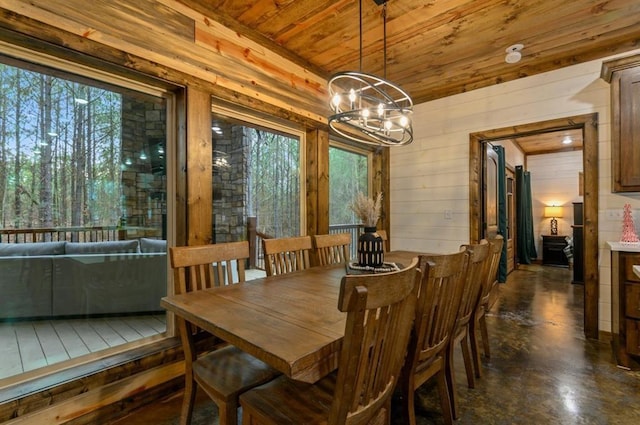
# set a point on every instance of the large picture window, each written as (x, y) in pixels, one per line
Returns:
(256, 181)
(82, 215)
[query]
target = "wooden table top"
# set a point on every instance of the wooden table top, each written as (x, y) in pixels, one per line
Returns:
(289, 321)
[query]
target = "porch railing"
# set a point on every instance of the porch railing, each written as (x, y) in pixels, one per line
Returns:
(58, 234)
(256, 254)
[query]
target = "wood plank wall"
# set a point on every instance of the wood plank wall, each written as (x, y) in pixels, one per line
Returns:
(165, 44)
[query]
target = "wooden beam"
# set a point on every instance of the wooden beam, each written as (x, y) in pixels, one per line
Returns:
(199, 168)
(164, 32)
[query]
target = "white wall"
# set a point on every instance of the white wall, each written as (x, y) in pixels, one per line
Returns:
(554, 181)
(431, 176)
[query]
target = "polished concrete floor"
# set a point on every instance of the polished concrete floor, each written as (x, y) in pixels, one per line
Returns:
(542, 369)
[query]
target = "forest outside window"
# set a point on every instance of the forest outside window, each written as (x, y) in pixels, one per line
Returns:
(348, 175)
(82, 216)
(256, 182)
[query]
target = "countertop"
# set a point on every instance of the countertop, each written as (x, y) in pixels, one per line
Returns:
(624, 246)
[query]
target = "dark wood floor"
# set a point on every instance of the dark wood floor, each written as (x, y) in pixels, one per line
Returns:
(542, 369)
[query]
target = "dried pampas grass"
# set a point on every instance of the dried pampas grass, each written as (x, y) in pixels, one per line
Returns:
(367, 209)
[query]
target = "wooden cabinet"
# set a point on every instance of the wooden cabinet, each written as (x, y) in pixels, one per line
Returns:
(625, 309)
(624, 76)
(553, 250)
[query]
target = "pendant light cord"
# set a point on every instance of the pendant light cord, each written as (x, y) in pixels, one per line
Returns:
(384, 37)
(360, 35)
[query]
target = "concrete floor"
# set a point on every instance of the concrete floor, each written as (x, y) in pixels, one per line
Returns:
(542, 369)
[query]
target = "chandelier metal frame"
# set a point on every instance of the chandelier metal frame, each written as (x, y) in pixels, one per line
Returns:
(370, 109)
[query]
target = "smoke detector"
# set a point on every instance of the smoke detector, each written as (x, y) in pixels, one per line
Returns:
(513, 53)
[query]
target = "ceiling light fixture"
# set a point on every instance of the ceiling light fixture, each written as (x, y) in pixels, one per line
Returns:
(367, 108)
(513, 53)
(567, 140)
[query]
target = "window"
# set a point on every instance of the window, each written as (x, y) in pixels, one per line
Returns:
(348, 175)
(83, 193)
(257, 189)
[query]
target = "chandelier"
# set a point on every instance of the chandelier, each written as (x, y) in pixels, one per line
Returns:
(367, 108)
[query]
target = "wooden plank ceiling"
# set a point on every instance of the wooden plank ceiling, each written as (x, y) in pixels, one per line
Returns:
(551, 142)
(435, 48)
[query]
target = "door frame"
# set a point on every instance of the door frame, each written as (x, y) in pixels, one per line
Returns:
(588, 123)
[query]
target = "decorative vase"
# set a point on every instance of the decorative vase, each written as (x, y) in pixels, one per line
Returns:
(370, 248)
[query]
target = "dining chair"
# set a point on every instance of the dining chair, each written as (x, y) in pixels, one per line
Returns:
(479, 321)
(380, 311)
(385, 239)
(285, 255)
(441, 285)
(475, 273)
(226, 371)
(332, 248)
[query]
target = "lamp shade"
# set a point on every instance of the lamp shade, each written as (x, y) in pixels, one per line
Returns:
(553, 211)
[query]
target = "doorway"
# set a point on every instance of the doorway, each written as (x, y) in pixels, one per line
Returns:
(588, 124)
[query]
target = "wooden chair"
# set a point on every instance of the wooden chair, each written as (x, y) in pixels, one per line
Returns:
(472, 287)
(379, 322)
(227, 371)
(488, 284)
(436, 312)
(385, 239)
(333, 248)
(285, 255)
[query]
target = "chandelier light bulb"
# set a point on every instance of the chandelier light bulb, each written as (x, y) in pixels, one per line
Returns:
(336, 100)
(365, 113)
(352, 95)
(404, 121)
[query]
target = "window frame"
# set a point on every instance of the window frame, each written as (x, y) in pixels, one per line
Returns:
(280, 127)
(41, 62)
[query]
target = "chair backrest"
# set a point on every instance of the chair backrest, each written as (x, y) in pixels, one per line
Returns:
(285, 255)
(493, 262)
(475, 275)
(380, 311)
(441, 287)
(385, 239)
(204, 266)
(333, 248)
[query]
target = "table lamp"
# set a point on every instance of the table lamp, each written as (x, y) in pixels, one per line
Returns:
(553, 212)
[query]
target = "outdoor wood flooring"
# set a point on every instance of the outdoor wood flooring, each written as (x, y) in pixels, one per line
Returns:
(29, 345)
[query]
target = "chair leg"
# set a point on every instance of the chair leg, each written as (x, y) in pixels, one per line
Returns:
(475, 348)
(450, 378)
(468, 363)
(485, 336)
(407, 392)
(187, 401)
(228, 413)
(445, 400)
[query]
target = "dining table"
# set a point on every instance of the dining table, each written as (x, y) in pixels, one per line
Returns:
(290, 321)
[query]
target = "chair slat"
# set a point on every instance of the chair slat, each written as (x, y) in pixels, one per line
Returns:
(285, 255)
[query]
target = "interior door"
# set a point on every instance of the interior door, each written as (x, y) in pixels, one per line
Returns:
(491, 193)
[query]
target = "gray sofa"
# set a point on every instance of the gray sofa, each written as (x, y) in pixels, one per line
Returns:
(58, 279)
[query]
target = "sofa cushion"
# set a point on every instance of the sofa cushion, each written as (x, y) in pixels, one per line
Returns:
(152, 245)
(25, 286)
(30, 249)
(111, 247)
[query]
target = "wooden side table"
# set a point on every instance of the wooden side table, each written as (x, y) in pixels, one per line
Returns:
(553, 250)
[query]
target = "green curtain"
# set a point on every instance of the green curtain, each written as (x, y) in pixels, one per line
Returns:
(502, 212)
(525, 243)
